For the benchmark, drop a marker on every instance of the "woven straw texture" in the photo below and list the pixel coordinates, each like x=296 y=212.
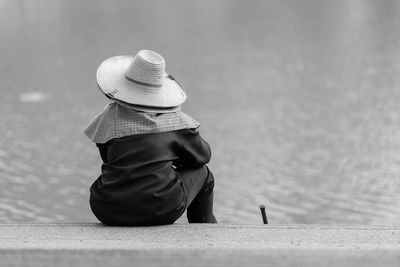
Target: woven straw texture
x=117 y=121
x=116 y=78
x=147 y=67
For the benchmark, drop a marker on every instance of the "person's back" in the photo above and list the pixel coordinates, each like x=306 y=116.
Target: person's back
x=153 y=157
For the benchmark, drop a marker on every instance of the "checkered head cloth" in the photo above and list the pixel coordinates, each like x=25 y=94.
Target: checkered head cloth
x=117 y=121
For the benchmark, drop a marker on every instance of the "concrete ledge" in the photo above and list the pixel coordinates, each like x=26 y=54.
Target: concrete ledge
x=198 y=245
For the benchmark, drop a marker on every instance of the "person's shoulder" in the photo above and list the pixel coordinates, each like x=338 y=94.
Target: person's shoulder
x=188 y=132
x=188 y=121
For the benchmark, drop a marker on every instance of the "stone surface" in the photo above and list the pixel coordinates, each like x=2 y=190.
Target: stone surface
x=198 y=245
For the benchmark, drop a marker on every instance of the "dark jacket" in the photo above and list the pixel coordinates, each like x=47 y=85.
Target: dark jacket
x=140 y=181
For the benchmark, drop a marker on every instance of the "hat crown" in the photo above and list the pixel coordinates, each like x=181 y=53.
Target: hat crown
x=147 y=68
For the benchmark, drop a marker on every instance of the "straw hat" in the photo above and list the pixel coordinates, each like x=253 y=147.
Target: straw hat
x=140 y=82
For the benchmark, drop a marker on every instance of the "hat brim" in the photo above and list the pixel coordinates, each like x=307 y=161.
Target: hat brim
x=112 y=82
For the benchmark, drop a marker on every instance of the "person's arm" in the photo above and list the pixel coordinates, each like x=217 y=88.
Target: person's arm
x=103 y=151
x=194 y=150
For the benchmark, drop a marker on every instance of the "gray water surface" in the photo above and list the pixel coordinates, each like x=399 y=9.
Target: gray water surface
x=299 y=101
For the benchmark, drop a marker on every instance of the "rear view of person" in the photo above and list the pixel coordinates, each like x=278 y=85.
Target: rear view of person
x=154 y=159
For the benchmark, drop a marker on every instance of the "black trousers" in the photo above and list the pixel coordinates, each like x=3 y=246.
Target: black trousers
x=198 y=186
x=194 y=193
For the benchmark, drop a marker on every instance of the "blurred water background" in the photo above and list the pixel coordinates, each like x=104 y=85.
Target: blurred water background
x=299 y=101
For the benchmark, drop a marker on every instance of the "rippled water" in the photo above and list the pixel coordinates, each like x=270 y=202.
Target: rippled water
x=298 y=99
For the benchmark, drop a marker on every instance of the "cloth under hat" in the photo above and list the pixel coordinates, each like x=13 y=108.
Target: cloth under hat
x=117 y=121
